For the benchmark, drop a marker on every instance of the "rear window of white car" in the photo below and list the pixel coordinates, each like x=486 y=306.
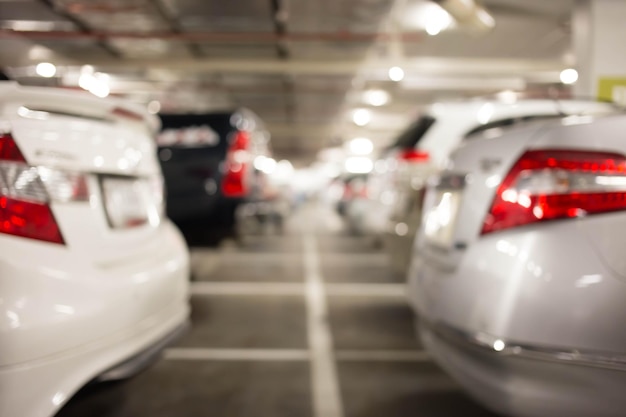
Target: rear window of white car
x=496 y=125
x=411 y=136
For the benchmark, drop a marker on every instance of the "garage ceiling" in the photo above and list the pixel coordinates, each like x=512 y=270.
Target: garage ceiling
x=303 y=66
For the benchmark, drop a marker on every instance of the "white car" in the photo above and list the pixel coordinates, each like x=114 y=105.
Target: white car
x=424 y=147
x=519 y=273
x=93 y=277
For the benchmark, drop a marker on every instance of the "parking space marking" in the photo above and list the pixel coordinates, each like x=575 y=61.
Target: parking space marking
x=210 y=354
x=203 y=354
x=324 y=380
x=290 y=288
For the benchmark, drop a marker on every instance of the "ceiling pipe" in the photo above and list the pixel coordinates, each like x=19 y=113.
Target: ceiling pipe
x=469 y=14
x=80 y=24
x=214 y=37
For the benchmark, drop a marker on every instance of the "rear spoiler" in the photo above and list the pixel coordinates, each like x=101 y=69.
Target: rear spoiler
x=74 y=103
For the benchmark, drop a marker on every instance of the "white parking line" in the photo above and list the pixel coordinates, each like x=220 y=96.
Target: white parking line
x=208 y=354
x=294 y=288
x=202 y=354
x=324 y=381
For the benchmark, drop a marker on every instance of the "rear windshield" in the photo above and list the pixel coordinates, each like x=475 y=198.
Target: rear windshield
x=411 y=136
x=503 y=123
x=194 y=130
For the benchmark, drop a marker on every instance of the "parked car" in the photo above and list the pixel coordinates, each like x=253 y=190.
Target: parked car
x=208 y=163
x=93 y=277
x=350 y=205
x=423 y=149
x=519 y=275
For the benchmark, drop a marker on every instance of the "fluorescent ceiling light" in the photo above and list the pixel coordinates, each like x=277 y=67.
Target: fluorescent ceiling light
x=359 y=165
x=360 y=146
x=376 y=97
x=361 y=117
x=569 y=76
x=46 y=70
x=469 y=14
x=428 y=16
x=438 y=20
x=396 y=74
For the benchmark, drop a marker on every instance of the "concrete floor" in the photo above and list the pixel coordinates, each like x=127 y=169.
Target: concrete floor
x=309 y=323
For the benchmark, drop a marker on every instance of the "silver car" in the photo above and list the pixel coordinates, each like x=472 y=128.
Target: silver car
x=425 y=146
x=519 y=270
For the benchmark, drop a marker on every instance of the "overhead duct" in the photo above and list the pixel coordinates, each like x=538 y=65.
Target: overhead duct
x=469 y=14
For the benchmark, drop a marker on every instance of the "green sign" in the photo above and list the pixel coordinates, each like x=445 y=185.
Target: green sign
x=612 y=89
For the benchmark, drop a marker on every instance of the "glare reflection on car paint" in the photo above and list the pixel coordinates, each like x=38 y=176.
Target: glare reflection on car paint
x=54 y=273
x=498 y=345
x=14 y=319
x=440 y=216
x=58 y=398
x=64 y=309
x=588 y=280
x=508 y=248
x=98 y=161
x=140 y=278
x=122 y=163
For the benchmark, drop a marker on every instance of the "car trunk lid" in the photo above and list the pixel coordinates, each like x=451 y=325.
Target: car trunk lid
x=108 y=145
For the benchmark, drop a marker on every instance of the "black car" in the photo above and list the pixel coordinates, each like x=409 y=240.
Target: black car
x=208 y=163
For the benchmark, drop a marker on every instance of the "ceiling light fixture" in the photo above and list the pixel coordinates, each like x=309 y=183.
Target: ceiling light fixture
x=469 y=14
x=359 y=165
x=569 y=76
x=376 y=97
x=360 y=146
x=437 y=21
x=46 y=70
x=396 y=74
x=361 y=117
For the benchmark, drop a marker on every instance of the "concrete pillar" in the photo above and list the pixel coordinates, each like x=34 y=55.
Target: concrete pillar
x=599 y=40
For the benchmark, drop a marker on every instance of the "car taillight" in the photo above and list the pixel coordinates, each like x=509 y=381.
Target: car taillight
x=556 y=184
x=234 y=180
x=413 y=155
x=26 y=192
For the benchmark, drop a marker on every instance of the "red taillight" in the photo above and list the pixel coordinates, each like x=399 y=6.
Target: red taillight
x=234 y=180
x=413 y=155
x=9 y=150
x=555 y=184
x=28 y=219
x=24 y=209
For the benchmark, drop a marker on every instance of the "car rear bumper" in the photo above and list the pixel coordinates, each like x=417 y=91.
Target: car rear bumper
x=39 y=388
x=143 y=359
x=523 y=381
x=65 y=320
